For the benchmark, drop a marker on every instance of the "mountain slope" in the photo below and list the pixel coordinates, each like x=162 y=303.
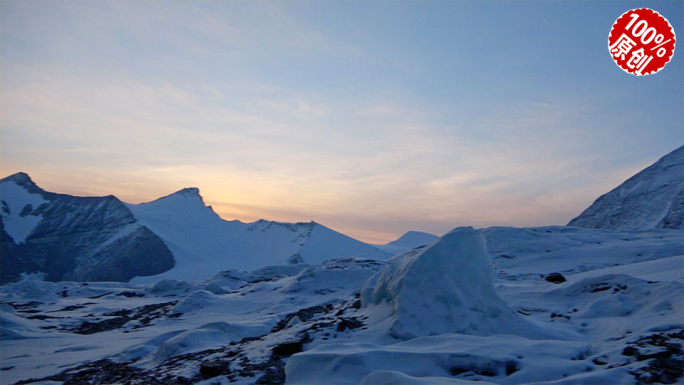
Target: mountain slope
x=73 y=238
x=652 y=198
x=204 y=243
x=408 y=241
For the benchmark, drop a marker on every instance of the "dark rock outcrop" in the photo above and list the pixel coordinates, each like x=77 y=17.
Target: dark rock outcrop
x=75 y=238
x=555 y=278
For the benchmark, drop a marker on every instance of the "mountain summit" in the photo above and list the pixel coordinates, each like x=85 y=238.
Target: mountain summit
x=652 y=198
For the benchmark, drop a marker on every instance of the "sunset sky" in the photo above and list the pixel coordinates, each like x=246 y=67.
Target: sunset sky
x=372 y=118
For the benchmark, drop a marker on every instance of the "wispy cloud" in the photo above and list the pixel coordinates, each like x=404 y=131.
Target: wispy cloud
x=289 y=161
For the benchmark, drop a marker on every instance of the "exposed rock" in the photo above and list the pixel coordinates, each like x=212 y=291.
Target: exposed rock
x=665 y=366
x=214 y=368
x=555 y=278
x=288 y=348
x=349 y=323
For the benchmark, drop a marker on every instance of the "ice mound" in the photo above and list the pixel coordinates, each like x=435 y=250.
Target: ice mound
x=172 y=286
x=14 y=327
x=335 y=275
x=241 y=330
x=446 y=287
x=30 y=287
x=199 y=299
x=216 y=289
x=388 y=377
x=441 y=359
x=639 y=305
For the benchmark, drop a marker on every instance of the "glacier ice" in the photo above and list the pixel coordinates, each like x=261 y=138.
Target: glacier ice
x=446 y=287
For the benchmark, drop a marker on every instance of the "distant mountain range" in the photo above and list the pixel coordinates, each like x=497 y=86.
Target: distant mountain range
x=177 y=236
x=652 y=198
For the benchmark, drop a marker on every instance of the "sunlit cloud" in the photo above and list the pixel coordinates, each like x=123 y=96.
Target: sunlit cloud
x=278 y=164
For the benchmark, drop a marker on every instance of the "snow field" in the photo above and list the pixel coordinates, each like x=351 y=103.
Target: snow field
x=556 y=333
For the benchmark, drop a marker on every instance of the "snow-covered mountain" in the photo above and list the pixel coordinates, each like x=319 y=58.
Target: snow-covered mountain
x=174 y=237
x=653 y=198
x=73 y=238
x=408 y=241
x=203 y=243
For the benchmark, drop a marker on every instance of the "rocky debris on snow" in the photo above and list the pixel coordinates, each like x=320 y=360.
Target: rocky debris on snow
x=234 y=361
x=102 y=372
x=144 y=315
x=303 y=315
x=288 y=348
x=349 y=323
x=214 y=368
x=665 y=363
x=489 y=369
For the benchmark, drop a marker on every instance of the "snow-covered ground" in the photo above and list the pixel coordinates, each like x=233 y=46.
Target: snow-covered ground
x=471 y=307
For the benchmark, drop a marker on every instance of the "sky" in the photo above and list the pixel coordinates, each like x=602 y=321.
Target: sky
x=373 y=118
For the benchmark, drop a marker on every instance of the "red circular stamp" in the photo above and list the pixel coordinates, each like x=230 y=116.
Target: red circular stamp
x=641 y=41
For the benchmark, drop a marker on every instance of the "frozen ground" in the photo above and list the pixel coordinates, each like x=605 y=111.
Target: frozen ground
x=446 y=313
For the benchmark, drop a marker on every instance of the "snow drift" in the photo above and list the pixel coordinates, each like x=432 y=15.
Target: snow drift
x=508 y=359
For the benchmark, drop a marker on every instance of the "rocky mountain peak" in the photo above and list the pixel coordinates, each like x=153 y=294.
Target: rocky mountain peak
x=24 y=180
